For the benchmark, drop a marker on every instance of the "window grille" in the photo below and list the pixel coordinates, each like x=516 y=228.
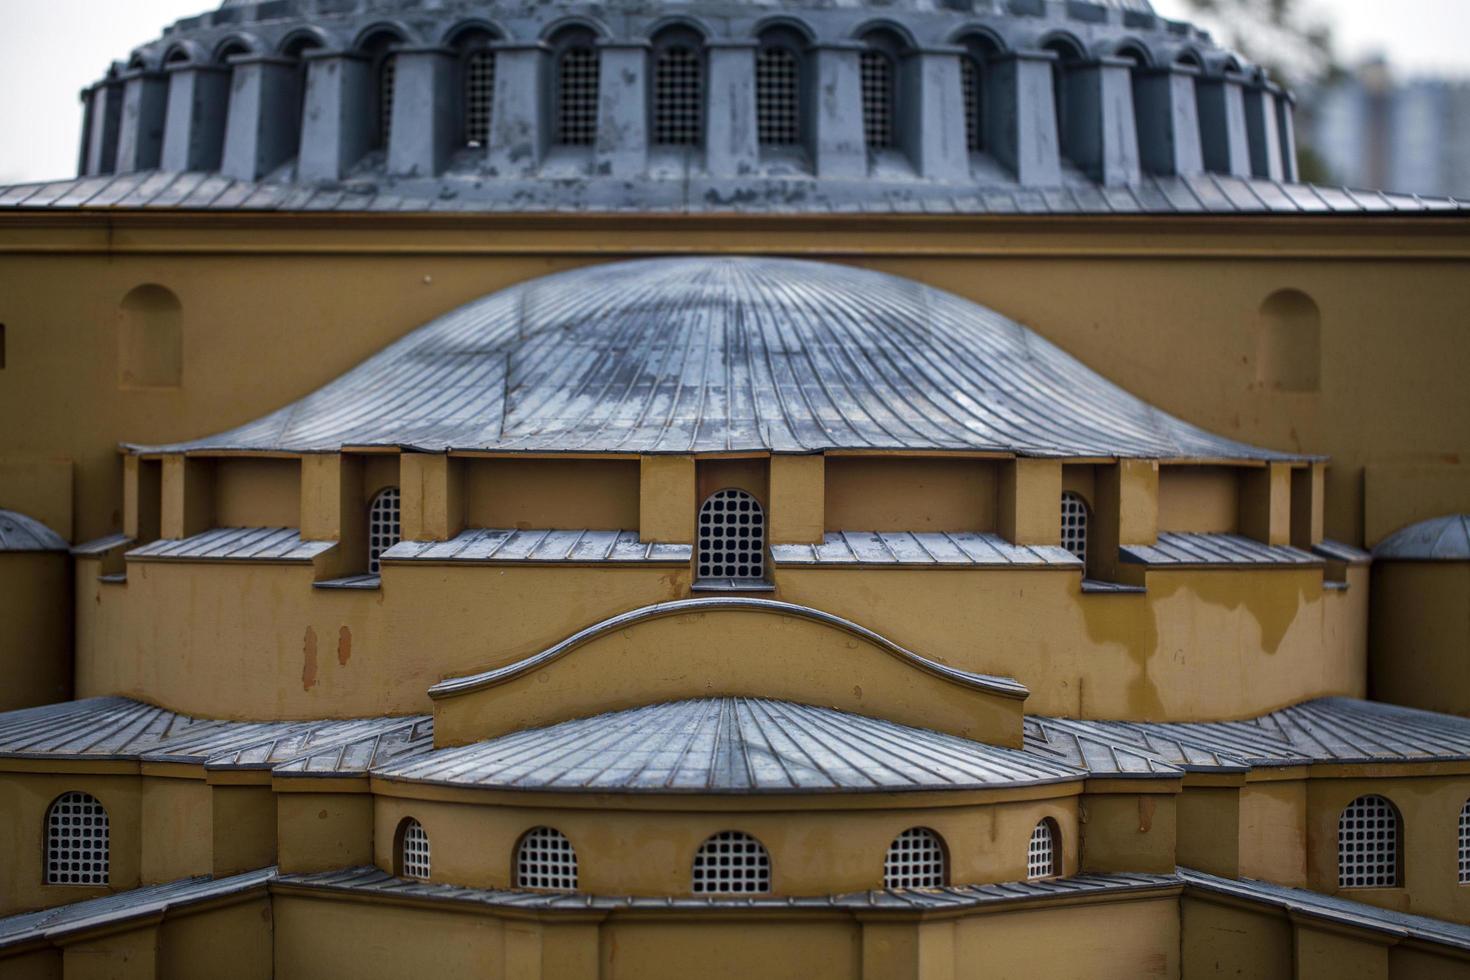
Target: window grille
x=877 y=72
x=384 y=528
x=479 y=96
x=413 y=851
x=1465 y=843
x=732 y=536
x=732 y=863
x=76 y=841
x=576 y=118
x=777 y=103
x=970 y=86
x=386 y=71
x=546 y=859
x=916 y=860
x=678 y=97
x=1368 y=844
x=1074 y=525
x=1041 y=855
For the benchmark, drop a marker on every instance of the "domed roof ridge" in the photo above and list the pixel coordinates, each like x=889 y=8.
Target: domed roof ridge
x=1445 y=538
x=21 y=533
x=721 y=354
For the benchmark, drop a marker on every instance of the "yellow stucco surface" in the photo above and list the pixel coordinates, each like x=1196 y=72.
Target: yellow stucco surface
x=1420 y=626
x=35 y=642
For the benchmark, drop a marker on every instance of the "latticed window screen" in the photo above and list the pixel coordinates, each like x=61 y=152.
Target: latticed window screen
x=970 y=88
x=576 y=99
x=384 y=528
x=732 y=536
x=413 y=856
x=76 y=841
x=1368 y=844
x=915 y=860
x=1074 y=525
x=546 y=859
x=386 y=72
x=777 y=100
x=678 y=97
x=732 y=863
x=479 y=96
x=1465 y=843
x=877 y=71
x=1041 y=855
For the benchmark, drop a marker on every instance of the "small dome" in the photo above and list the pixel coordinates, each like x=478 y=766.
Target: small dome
x=21 y=533
x=1437 y=539
x=692 y=355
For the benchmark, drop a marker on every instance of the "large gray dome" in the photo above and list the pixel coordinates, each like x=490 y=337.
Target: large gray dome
x=726 y=354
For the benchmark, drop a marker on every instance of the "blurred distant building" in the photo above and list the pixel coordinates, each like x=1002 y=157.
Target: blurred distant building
x=1372 y=130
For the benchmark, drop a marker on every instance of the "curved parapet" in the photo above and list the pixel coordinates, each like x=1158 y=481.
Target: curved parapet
x=758 y=648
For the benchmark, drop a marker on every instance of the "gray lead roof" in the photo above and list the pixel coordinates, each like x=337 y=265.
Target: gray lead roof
x=1437 y=539
x=1185 y=550
x=688 y=355
x=21 y=533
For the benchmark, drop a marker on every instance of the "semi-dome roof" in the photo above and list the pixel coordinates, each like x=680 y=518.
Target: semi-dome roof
x=1437 y=539
x=21 y=533
x=682 y=355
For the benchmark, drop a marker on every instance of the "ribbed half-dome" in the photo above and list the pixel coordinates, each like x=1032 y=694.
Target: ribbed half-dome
x=726 y=354
x=21 y=533
x=1437 y=539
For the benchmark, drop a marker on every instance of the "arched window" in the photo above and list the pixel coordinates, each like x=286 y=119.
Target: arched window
x=732 y=536
x=1465 y=843
x=479 y=95
x=413 y=850
x=880 y=93
x=980 y=49
x=916 y=859
x=1289 y=345
x=1043 y=855
x=384 y=528
x=678 y=89
x=732 y=863
x=778 y=89
x=377 y=46
x=546 y=859
x=578 y=78
x=1074 y=524
x=150 y=339
x=1068 y=57
x=76 y=841
x=387 y=70
x=1368 y=834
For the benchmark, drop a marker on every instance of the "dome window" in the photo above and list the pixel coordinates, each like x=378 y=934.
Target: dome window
x=578 y=76
x=1064 y=99
x=732 y=536
x=479 y=96
x=980 y=51
x=916 y=859
x=77 y=841
x=413 y=850
x=1465 y=843
x=778 y=96
x=878 y=99
x=1368 y=834
x=1042 y=858
x=387 y=70
x=384 y=527
x=732 y=863
x=678 y=91
x=1074 y=525
x=545 y=859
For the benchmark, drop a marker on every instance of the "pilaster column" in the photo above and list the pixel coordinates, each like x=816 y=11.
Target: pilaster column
x=336 y=131
x=731 y=137
x=264 y=127
x=1265 y=503
x=798 y=488
x=621 y=149
x=106 y=121
x=517 y=120
x=187 y=495
x=1222 y=125
x=1030 y=497
x=667 y=499
x=1263 y=131
x=426 y=125
x=1285 y=118
x=1021 y=119
x=194 y=127
x=1168 y=120
x=938 y=148
x=145 y=103
x=86 y=141
x=840 y=149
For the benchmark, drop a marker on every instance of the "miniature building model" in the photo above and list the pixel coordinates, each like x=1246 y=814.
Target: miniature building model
x=853 y=491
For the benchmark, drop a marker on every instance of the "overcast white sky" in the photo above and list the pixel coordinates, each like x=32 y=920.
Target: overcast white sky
x=50 y=49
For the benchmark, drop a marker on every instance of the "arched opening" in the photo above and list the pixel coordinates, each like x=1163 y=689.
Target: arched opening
x=412 y=850
x=295 y=49
x=732 y=537
x=882 y=89
x=1139 y=57
x=731 y=863
x=1044 y=852
x=384 y=527
x=77 y=841
x=980 y=52
x=1369 y=844
x=1064 y=99
x=1464 y=841
x=1075 y=515
x=475 y=66
x=546 y=860
x=678 y=88
x=150 y=339
x=378 y=48
x=780 y=89
x=578 y=80
x=1289 y=345
x=917 y=858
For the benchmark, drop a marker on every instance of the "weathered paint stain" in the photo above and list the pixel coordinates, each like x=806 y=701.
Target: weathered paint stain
x=1146 y=807
x=308 y=660
x=344 y=646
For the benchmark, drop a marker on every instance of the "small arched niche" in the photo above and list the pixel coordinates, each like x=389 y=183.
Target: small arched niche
x=150 y=339
x=1289 y=342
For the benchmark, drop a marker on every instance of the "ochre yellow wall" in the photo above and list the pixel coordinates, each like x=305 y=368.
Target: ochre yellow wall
x=323 y=831
x=1129 y=940
x=1223 y=939
x=1129 y=832
x=257 y=492
x=178 y=839
x=1273 y=831
x=551 y=493
x=229 y=942
x=632 y=849
x=36 y=636
x=867 y=493
x=129 y=954
x=1199 y=498
x=1420 y=625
